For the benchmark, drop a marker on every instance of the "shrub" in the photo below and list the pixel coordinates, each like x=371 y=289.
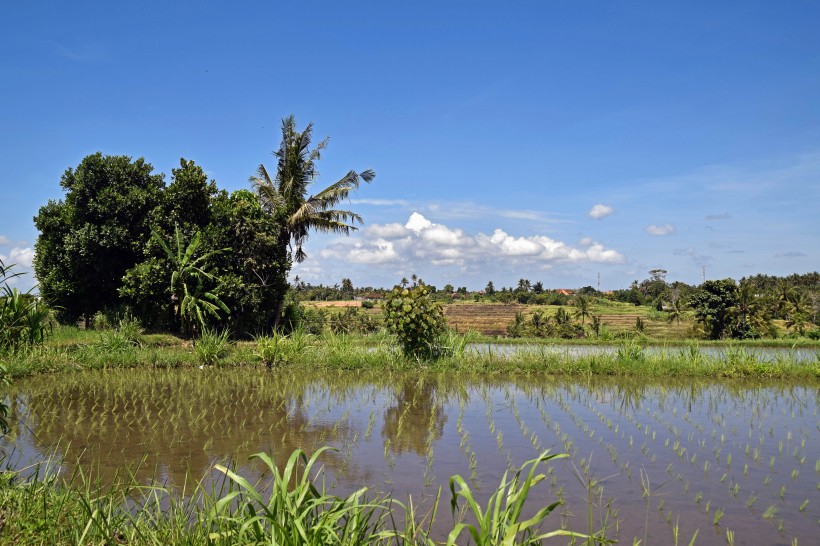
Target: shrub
x=270 y=350
x=100 y=321
x=351 y=321
x=25 y=320
x=299 y=317
x=127 y=335
x=415 y=319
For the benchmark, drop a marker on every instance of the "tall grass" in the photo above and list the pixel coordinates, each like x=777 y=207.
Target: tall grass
x=500 y=521
x=211 y=346
x=293 y=508
x=76 y=349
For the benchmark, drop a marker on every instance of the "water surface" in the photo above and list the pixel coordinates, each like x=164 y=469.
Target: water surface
x=749 y=449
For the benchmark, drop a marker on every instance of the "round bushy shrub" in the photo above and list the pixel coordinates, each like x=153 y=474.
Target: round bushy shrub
x=415 y=319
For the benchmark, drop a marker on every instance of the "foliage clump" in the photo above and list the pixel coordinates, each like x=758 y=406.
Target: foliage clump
x=24 y=321
x=539 y=324
x=415 y=319
x=211 y=346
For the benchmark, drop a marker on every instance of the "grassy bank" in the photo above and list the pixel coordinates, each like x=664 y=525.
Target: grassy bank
x=76 y=350
x=292 y=508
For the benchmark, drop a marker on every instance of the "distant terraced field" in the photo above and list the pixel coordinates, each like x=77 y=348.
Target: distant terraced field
x=492 y=319
x=487 y=318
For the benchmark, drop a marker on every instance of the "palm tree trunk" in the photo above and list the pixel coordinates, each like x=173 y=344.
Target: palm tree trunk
x=280 y=286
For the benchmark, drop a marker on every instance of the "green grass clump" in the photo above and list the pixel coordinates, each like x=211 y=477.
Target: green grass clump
x=211 y=346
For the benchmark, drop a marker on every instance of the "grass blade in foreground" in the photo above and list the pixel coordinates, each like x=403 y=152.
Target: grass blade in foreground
x=499 y=522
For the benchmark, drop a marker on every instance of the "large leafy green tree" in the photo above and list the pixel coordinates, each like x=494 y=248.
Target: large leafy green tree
x=186 y=202
x=714 y=305
x=91 y=238
x=749 y=316
x=254 y=270
x=285 y=195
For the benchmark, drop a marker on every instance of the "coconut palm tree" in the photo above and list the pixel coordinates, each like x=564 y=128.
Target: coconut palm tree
x=582 y=308
x=783 y=296
x=748 y=311
x=675 y=311
x=797 y=314
x=285 y=195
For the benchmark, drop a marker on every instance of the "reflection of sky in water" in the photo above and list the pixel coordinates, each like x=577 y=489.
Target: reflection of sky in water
x=407 y=433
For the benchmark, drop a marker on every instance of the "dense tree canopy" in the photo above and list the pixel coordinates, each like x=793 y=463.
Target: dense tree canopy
x=713 y=303
x=96 y=252
x=91 y=238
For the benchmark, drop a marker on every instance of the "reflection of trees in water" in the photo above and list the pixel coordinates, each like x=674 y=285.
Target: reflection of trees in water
x=417 y=419
x=180 y=423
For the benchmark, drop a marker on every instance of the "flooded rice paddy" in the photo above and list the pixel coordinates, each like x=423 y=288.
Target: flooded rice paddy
x=763 y=354
x=647 y=460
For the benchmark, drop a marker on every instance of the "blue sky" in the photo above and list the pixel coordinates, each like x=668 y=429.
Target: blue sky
x=546 y=140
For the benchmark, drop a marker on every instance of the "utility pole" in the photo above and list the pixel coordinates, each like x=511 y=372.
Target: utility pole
x=703 y=275
x=599 y=282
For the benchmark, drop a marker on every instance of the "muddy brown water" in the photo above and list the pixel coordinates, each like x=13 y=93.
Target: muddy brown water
x=748 y=449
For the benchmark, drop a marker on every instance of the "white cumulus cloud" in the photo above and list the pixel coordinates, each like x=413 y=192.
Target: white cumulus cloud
x=420 y=240
x=600 y=211
x=23 y=257
x=665 y=229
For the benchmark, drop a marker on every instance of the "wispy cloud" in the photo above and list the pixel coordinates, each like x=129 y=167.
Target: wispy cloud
x=721 y=216
x=85 y=52
x=600 y=211
x=790 y=254
x=4 y=241
x=381 y=202
x=471 y=211
x=739 y=181
x=451 y=210
x=660 y=231
x=694 y=256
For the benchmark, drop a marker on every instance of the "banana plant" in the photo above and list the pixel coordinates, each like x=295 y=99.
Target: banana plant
x=191 y=299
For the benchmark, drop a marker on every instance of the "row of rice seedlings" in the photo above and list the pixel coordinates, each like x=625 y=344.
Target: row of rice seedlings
x=752 y=498
x=678 y=449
